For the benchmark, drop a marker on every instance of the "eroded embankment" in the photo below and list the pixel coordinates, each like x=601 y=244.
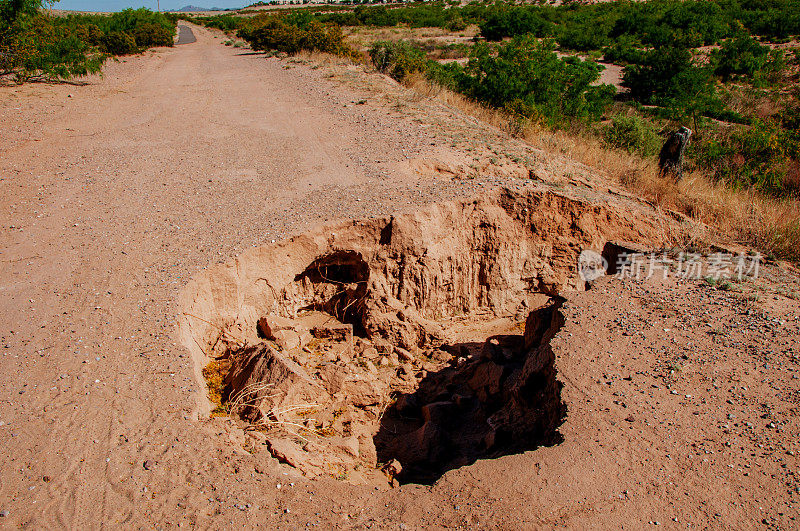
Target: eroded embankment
x=402 y=347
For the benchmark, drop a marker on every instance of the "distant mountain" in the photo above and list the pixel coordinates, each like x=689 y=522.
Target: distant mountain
x=195 y=9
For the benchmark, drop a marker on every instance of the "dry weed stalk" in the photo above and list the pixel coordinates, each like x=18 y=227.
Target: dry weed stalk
x=251 y=396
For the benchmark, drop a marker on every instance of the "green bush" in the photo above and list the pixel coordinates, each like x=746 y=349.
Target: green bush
x=511 y=22
x=397 y=59
x=225 y=23
x=118 y=43
x=624 y=50
x=36 y=46
x=741 y=55
x=668 y=78
x=525 y=76
x=273 y=33
x=759 y=157
x=150 y=34
x=584 y=33
x=449 y=75
x=633 y=134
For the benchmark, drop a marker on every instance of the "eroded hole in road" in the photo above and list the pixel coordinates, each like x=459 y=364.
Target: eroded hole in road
x=496 y=397
x=393 y=350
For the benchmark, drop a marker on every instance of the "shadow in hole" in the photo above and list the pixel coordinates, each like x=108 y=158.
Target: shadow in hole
x=340 y=284
x=504 y=399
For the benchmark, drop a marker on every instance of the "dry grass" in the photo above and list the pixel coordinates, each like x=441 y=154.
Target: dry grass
x=253 y=395
x=771 y=226
x=215 y=373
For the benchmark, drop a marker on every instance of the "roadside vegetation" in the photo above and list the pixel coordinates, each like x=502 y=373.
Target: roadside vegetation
x=37 y=46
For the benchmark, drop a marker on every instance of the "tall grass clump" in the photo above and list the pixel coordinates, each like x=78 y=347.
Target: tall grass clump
x=633 y=134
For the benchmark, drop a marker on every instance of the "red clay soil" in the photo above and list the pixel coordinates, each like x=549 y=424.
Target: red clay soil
x=681 y=398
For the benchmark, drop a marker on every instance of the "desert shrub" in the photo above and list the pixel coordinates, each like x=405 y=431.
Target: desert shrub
x=510 y=22
x=146 y=27
x=455 y=22
x=225 y=23
x=449 y=75
x=150 y=34
x=624 y=50
x=397 y=59
x=118 y=43
x=377 y=16
x=429 y=14
x=668 y=77
x=633 y=134
x=743 y=56
x=525 y=76
x=775 y=19
x=36 y=46
x=584 y=32
x=582 y=26
x=273 y=33
x=760 y=157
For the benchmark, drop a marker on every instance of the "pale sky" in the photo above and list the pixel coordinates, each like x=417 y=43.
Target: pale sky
x=119 y=5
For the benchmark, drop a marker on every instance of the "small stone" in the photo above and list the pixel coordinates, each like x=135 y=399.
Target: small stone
x=148 y=464
x=392 y=468
x=3 y=513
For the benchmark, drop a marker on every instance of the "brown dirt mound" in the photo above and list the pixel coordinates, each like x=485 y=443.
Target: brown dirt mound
x=398 y=348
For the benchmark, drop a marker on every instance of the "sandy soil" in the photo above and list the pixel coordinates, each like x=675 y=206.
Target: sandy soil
x=682 y=399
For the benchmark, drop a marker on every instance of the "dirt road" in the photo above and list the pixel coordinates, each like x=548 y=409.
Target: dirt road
x=185 y=35
x=115 y=193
